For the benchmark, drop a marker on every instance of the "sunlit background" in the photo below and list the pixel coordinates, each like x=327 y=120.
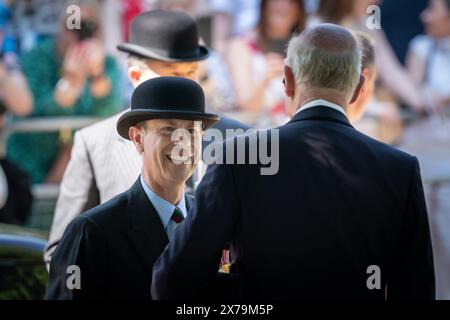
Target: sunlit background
x=409 y=109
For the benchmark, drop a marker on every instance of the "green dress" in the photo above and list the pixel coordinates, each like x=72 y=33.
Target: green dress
x=36 y=152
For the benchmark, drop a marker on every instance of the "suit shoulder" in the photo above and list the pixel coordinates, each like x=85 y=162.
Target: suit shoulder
x=388 y=149
x=109 y=213
x=354 y=141
x=228 y=123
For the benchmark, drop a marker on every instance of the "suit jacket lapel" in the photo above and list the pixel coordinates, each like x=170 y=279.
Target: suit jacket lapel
x=189 y=202
x=146 y=231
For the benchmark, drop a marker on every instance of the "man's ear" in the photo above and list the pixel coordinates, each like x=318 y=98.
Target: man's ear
x=365 y=73
x=135 y=134
x=134 y=74
x=358 y=89
x=289 y=82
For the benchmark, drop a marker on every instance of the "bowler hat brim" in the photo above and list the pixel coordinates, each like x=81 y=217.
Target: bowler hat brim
x=146 y=52
x=133 y=117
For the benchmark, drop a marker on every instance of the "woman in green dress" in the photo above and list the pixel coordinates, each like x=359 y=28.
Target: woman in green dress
x=68 y=76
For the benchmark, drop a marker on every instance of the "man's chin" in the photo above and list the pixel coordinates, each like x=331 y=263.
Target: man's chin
x=179 y=173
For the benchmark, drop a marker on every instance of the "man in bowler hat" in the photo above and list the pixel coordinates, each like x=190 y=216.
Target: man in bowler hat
x=114 y=246
x=103 y=164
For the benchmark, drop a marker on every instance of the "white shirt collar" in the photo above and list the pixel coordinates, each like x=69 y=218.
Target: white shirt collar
x=321 y=102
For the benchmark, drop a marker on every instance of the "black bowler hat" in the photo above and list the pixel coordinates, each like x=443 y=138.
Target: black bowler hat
x=165 y=35
x=166 y=98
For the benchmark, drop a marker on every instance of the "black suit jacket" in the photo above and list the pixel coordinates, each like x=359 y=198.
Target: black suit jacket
x=340 y=203
x=115 y=246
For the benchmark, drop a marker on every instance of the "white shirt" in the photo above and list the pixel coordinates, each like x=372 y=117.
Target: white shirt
x=321 y=103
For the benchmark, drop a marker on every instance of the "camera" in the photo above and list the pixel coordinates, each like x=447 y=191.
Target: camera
x=87 y=29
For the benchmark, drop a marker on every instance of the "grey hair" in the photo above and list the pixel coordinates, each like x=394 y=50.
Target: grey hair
x=316 y=67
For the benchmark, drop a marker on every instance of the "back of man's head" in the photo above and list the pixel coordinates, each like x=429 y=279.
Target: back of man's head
x=326 y=57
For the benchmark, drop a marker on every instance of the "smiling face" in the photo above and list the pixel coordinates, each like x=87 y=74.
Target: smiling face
x=170 y=149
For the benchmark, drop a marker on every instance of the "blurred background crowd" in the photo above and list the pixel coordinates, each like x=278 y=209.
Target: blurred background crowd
x=54 y=81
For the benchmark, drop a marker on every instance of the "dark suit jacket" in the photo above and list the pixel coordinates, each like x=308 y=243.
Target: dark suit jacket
x=115 y=246
x=340 y=202
x=102 y=165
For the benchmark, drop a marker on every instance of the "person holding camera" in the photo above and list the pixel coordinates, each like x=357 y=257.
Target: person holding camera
x=70 y=75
